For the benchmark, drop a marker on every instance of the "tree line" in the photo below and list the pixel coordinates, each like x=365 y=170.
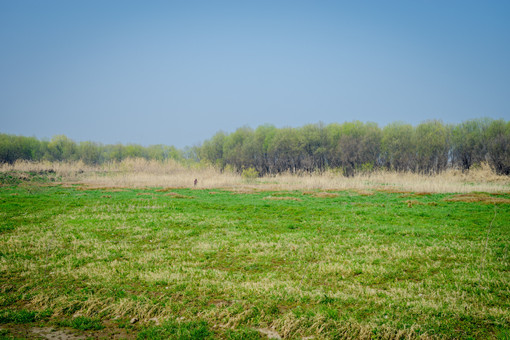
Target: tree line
x=431 y=147
x=61 y=148
x=350 y=147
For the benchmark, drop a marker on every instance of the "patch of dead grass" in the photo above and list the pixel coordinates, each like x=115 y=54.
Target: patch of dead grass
x=325 y=194
x=477 y=198
x=140 y=173
x=364 y=192
x=165 y=189
x=410 y=203
x=415 y=194
x=177 y=195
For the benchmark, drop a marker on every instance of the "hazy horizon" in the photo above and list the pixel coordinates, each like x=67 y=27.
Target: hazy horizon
x=175 y=73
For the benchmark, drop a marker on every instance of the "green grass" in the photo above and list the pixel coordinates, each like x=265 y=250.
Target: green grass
x=178 y=330
x=82 y=323
x=226 y=265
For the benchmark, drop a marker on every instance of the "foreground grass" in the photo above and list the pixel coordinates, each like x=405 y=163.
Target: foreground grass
x=219 y=264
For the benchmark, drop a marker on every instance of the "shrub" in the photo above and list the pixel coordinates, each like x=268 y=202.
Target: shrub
x=250 y=174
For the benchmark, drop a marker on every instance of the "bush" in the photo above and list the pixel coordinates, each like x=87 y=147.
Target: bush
x=250 y=174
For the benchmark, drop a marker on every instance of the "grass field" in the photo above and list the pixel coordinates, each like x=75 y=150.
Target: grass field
x=161 y=263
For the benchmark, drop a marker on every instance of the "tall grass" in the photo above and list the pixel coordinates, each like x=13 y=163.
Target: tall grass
x=140 y=173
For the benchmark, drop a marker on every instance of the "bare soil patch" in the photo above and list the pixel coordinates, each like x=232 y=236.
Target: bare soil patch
x=57 y=333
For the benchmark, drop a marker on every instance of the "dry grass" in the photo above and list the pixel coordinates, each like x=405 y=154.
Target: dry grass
x=325 y=194
x=176 y=195
x=139 y=173
x=478 y=197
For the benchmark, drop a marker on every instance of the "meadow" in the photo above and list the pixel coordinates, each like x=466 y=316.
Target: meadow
x=117 y=254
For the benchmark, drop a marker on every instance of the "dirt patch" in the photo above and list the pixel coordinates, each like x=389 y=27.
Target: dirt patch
x=477 y=198
x=54 y=334
x=271 y=334
x=111 y=331
x=220 y=303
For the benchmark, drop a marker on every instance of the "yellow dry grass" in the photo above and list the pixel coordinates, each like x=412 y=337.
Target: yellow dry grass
x=140 y=173
x=323 y=194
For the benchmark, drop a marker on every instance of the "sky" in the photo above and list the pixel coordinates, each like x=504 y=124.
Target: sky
x=176 y=72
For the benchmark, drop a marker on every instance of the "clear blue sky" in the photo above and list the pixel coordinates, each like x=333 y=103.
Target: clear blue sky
x=176 y=72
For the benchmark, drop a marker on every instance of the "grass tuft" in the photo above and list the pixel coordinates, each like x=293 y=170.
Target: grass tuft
x=192 y=330
x=22 y=316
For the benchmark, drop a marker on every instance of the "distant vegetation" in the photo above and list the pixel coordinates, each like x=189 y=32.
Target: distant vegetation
x=61 y=148
x=430 y=147
x=351 y=147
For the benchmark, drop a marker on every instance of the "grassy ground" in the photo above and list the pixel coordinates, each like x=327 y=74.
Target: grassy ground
x=247 y=264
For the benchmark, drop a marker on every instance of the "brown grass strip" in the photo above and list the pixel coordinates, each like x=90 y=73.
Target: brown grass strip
x=477 y=198
x=364 y=192
x=165 y=189
x=325 y=195
x=415 y=194
x=176 y=195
